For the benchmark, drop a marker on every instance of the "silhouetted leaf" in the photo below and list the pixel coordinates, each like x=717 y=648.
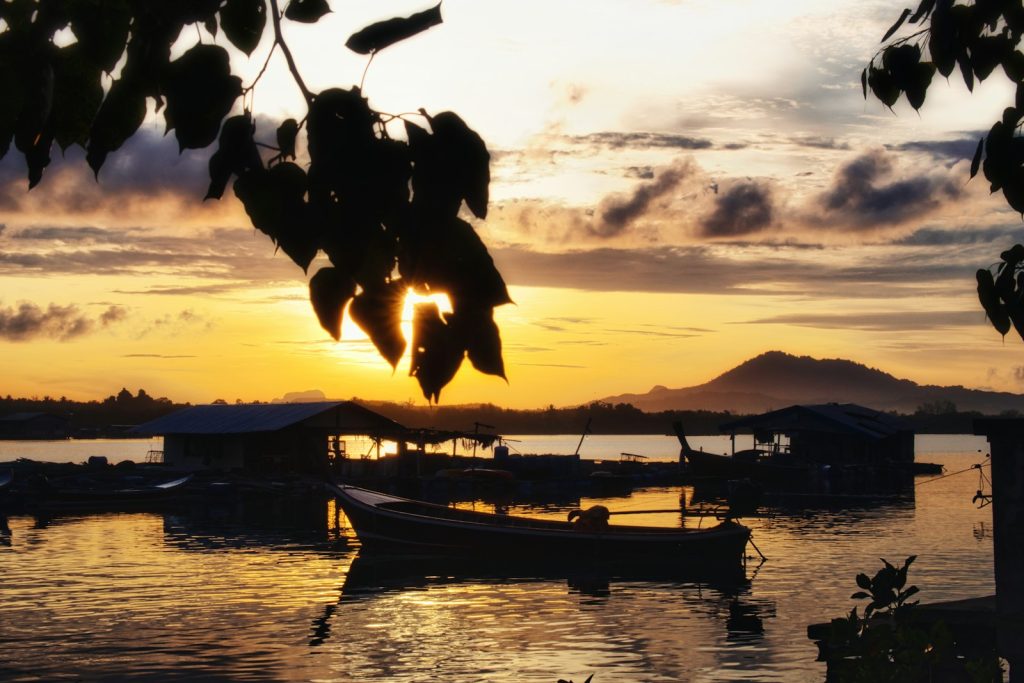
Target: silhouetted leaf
x=468 y=160
x=1013 y=66
x=883 y=86
x=479 y=334
x=864 y=82
x=451 y=258
x=37 y=87
x=895 y=27
x=436 y=351
x=380 y=35
x=200 y=92
x=306 y=11
x=243 y=22
x=923 y=10
x=78 y=93
x=378 y=312
x=10 y=86
x=286 y=134
x=37 y=157
x=118 y=118
x=329 y=291
x=976 y=161
x=1013 y=255
x=989 y=299
x=864 y=581
x=102 y=31
x=211 y=26
x=966 y=71
x=860 y=595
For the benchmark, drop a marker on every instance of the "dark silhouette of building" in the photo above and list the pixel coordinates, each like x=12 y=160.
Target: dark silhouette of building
x=34 y=426
x=299 y=437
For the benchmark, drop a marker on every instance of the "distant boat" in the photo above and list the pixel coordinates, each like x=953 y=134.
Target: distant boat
x=104 y=496
x=383 y=521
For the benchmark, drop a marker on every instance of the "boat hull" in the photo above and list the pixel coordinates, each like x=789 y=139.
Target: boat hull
x=413 y=527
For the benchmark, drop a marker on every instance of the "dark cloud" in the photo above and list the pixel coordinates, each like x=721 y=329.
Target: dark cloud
x=818 y=142
x=865 y=195
x=618 y=140
x=884 y=321
x=29 y=321
x=641 y=172
x=75 y=234
x=949 y=150
x=149 y=164
x=176 y=324
x=742 y=209
x=726 y=269
x=113 y=314
x=942 y=237
x=616 y=213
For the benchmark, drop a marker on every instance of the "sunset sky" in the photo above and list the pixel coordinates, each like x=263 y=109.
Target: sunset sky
x=678 y=185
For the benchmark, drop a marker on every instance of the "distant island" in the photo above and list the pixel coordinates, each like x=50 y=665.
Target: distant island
x=767 y=382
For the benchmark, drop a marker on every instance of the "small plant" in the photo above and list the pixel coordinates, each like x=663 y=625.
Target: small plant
x=888 y=643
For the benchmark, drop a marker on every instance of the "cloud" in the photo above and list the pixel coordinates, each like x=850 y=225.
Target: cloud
x=617 y=213
x=617 y=140
x=866 y=194
x=944 y=237
x=904 y=321
x=949 y=150
x=743 y=208
x=154 y=355
x=173 y=325
x=29 y=321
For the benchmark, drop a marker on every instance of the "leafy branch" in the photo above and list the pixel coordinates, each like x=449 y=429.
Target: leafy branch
x=384 y=211
x=976 y=37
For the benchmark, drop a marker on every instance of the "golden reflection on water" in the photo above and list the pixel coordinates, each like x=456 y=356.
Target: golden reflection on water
x=275 y=591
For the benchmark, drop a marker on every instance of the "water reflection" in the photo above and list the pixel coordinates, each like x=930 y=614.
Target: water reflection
x=275 y=590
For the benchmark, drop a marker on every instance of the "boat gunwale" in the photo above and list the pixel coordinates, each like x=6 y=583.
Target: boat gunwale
x=531 y=526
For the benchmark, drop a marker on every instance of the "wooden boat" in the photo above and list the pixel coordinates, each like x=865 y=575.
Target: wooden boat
x=99 y=496
x=383 y=521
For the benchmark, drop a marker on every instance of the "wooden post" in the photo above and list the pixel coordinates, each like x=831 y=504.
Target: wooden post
x=1006 y=441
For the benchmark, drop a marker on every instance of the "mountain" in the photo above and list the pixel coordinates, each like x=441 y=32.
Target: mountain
x=776 y=380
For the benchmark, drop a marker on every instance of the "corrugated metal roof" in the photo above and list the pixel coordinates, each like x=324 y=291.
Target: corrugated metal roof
x=264 y=417
x=829 y=417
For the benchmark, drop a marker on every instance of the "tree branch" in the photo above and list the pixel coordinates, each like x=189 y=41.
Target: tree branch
x=275 y=14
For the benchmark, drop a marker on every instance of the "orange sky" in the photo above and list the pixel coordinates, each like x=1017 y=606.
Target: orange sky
x=677 y=186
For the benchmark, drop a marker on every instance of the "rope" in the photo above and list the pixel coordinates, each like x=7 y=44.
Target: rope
x=951 y=474
x=750 y=540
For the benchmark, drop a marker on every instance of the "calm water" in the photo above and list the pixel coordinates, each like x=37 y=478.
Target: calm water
x=273 y=591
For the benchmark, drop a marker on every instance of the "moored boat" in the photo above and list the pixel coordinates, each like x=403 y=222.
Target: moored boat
x=103 y=496
x=383 y=521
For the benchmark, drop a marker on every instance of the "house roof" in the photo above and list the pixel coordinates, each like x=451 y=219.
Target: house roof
x=831 y=418
x=267 y=417
x=25 y=417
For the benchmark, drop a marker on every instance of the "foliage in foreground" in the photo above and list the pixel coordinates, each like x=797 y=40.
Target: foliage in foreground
x=976 y=37
x=384 y=210
x=886 y=643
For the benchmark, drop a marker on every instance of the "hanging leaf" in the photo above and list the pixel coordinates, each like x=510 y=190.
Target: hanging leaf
x=895 y=27
x=883 y=86
x=923 y=10
x=468 y=161
x=236 y=153
x=306 y=11
x=243 y=22
x=200 y=92
x=10 y=86
x=101 y=31
x=436 y=351
x=78 y=94
x=378 y=312
x=380 y=35
x=211 y=26
x=479 y=334
x=329 y=291
x=864 y=82
x=976 y=161
x=120 y=115
x=286 y=134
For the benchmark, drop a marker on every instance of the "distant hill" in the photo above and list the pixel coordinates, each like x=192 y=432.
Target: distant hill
x=776 y=380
